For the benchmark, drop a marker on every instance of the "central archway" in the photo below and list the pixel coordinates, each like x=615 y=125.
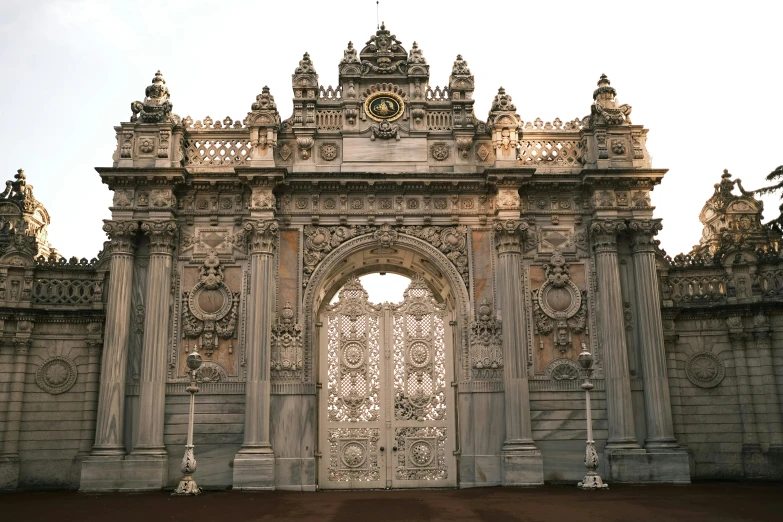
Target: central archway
x=438 y=299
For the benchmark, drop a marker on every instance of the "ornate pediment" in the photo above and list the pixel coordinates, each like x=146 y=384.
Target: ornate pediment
x=384 y=54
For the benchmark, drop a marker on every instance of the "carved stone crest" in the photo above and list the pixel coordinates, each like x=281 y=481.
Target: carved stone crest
x=486 y=344
x=286 y=346
x=209 y=310
x=559 y=304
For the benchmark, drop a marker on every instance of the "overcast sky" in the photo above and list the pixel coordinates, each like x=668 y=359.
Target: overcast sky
x=704 y=77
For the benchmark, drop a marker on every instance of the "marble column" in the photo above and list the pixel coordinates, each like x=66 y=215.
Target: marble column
x=109 y=433
x=155 y=349
x=612 y=335
x=657 y=403
x=103 y=469
x=522 y=461
x=254 y=463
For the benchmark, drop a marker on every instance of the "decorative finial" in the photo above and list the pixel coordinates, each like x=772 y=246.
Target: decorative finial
x=156 y=107
x=726 y=174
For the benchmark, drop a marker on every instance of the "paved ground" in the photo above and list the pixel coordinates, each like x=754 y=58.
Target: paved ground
x=714 y=502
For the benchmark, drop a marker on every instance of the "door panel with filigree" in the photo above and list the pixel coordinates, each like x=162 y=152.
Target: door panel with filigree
x=386 y=407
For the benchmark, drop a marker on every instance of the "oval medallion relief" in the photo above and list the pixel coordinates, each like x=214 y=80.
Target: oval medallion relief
x=384 y=106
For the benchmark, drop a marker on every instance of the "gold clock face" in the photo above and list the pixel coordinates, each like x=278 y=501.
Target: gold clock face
x=384 y=106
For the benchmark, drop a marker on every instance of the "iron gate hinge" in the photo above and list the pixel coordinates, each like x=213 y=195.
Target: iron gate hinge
x=317 y=454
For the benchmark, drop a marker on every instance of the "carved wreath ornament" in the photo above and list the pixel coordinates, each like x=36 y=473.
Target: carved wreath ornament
x=210 y=308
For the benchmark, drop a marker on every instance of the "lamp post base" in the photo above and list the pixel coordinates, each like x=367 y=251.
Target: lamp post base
x=592 y=481
x=187 y=486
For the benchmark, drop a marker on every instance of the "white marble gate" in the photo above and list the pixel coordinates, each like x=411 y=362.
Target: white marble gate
x=386 y=406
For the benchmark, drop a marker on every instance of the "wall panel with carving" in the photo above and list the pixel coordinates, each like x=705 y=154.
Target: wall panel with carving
x=559 y=310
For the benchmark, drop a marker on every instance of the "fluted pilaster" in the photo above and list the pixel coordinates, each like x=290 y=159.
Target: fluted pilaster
x=657 y=402
x=90 y=394
x=152 y=389
x=612 y=334
x=260 y=310
x=109 y=436
x=765 y=385
x=13 y=419
x=509 y=236
x=737 y=338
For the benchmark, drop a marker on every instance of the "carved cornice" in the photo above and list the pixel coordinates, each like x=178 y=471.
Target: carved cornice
x=604 y=233
x=162 y=234
x=643 y=232
x=122 y=235
x=509 y=235
x=262 y=236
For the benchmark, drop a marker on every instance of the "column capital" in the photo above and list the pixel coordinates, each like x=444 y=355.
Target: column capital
x=510 y=234
x=643 y=232
x=262 y=236
x=122 y=235
x=22 y=345
x=94 y=346
x=162 y=235
x=604 y=233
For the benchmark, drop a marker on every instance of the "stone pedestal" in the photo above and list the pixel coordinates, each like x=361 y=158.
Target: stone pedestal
x=522 y=468
x=254 y=471
x=9 y=472
x=626 y=465
x=134 y=473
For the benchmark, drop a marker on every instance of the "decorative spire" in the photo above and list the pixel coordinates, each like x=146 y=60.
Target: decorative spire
x=416 y=56
x=605 y=109
x=460 y=67
x=502 y=102
x=305 y=65
x=264 y=101
x=156 y=107
x=604 y=90
x=349 y=55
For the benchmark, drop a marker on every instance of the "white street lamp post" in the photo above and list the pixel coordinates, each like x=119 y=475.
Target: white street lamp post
x=187 y=486
x=592 y=479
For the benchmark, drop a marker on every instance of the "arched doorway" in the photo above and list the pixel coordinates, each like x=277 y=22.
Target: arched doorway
x=387 y=412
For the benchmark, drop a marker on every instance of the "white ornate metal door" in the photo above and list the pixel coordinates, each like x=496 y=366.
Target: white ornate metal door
x=386 y=414
x=422 y=421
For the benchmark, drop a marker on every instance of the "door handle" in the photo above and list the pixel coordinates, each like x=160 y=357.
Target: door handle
x=394 y=448
x=382 y=448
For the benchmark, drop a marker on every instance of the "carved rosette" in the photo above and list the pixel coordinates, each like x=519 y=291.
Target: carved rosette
x=604 y=233
x=509 y=236
x=286 y=347
x=643 y=234
x=162 y=236
x=122 y=235
x=262 y=199
x=262 y=236
x=56 y=375
x=559 y=304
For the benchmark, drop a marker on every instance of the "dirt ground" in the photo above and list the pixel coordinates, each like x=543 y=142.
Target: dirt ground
x=714 y=502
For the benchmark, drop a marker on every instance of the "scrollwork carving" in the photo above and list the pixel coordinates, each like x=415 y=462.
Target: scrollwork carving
x=286 y=347
x=319 y=241
x=122 y=235
x=452 y=241
x=486 y=343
